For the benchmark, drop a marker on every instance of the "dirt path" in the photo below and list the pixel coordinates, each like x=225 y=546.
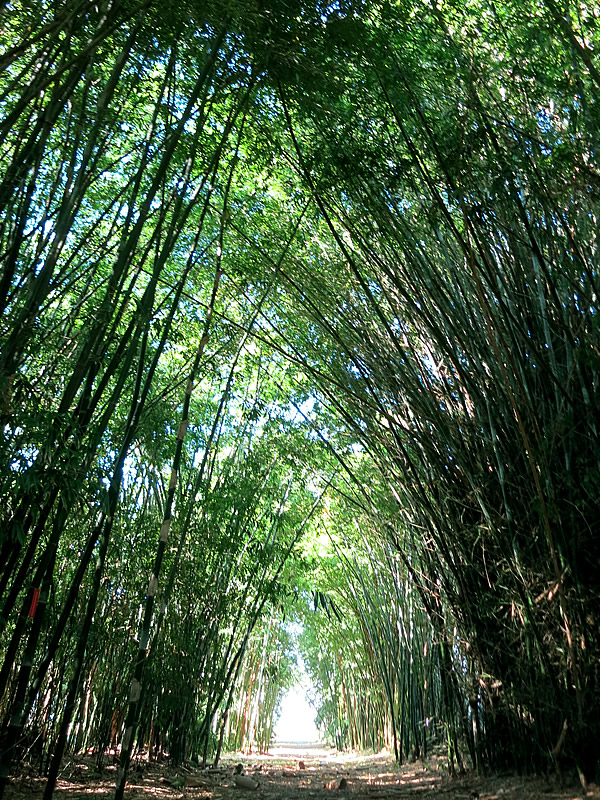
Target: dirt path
x=294 y=772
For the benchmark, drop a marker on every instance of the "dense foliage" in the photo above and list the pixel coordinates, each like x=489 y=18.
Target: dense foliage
x=299 y=301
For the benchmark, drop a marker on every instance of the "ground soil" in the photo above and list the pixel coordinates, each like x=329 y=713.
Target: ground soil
x=295 y=772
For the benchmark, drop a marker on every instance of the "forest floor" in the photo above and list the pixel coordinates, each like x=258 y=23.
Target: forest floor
x=294 y=772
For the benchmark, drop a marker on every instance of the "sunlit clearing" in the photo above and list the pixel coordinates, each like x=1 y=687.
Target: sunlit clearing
x=297 y=720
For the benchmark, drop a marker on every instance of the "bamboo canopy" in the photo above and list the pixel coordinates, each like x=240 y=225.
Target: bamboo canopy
x=299 y=353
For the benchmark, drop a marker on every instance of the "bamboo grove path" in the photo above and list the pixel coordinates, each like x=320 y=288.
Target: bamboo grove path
x=297 y=772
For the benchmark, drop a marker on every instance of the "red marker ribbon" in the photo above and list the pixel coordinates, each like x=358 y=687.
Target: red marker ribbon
x=34 y=602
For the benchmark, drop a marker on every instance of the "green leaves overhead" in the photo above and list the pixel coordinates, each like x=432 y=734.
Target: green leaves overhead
x=279 y=273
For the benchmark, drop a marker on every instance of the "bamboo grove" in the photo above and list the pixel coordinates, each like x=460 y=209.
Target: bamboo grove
x=299 y=322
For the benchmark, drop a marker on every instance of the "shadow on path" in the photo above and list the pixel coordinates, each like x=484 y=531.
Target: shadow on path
x=291 y=771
